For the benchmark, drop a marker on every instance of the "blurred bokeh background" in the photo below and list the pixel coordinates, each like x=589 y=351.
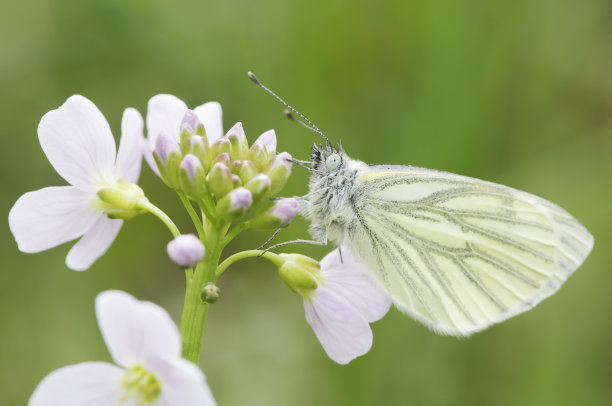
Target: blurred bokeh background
x=518 y=93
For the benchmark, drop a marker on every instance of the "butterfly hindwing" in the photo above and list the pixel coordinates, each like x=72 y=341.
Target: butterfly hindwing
x=458 y=253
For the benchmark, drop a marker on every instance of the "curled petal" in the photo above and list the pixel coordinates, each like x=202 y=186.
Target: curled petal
x=94 y=243
x=129 y=157
x=88 y=383
x=78 y=142
x=183 y=382
x=210 y=115
x=134 y=330
x=51 y=216
x=343 y=333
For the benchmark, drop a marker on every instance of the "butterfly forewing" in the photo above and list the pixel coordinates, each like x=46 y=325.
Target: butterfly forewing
x=458 y=253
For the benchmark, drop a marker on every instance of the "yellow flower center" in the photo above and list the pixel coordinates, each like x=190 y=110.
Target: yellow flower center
x=141 y=385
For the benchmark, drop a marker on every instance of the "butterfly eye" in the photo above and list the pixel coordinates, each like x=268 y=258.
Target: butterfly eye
x=332 y=162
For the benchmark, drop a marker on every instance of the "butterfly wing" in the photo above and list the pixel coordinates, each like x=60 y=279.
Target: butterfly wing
x=458 y=253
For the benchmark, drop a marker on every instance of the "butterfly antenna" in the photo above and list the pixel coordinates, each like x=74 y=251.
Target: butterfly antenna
x=306 y=122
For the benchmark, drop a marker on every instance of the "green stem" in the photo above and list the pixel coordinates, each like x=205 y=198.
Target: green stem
x=275 y=258
x=192 y=213
x=234 y=232
x=151 y=208
x=194 y=309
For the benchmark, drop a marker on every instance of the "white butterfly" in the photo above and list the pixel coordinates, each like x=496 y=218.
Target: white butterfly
x=456 y=253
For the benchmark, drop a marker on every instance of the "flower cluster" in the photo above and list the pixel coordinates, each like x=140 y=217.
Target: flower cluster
x=192 y=157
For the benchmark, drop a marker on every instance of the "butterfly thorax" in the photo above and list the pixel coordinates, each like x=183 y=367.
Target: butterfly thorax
x=329 y=206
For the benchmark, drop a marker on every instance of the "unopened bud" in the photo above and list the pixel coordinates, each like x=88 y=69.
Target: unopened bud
x=240 y=145
x=247 y=171
x=198 y=146
x=235 y=204
x=168 y=157
x=189 y=127
x=279 y=171
x=219 y=180
x=220 y=146
x=300 y=273
x=122 y=200
x=258 y=155
x=210 y=293
x=223 y=158
x=192 y=177
x=186 y=250
x=259 y=186
x=279 y=214
x=235 y=167
x=268 y=140
x=236 y=181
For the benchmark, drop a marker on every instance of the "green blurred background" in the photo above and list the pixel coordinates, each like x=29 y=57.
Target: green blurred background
x=518 y=93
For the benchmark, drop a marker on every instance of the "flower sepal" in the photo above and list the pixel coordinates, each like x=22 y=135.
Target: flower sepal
x=300 y=273
x=122 y=200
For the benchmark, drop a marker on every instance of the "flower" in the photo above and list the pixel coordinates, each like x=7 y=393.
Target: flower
x=166 y=113
x=186 y=250
x=343 y=304
x=78 y=142
x=146 y=344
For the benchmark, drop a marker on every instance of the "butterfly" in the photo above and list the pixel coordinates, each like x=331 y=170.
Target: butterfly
x=456 y=253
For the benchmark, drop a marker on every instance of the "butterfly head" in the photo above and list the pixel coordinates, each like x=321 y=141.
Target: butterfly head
x=326 y=158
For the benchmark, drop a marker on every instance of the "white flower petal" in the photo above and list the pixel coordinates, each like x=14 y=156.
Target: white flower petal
x=95 y=242
x=182 y=382
x=129 y=157
x=135 y=330
x=51 y=216
x=352 y=280
x=211 y=116
x=78 y=142
x=343 y=333
x=164 y=114
x=88 y=383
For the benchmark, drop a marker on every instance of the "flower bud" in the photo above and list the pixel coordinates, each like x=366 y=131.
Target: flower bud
x=210 y=293
x=235 y=167
x=168 y=157
x=219 y=180
x=192 y=177
x=279 y=170
x=259 y=187
x=122 y=200
x=240 y=145
x=186 y=250
x=198 y=146
x=279 y=214
x=220 y=146
x=300 y=273
x=189 y=127
x=223 y=158
x=236 y=181
x=235 y=204
x=247 y=171
x=258 y=155
x=268 y=139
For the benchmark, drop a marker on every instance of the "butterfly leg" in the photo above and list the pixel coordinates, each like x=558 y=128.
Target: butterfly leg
x=340 y=252
x=311 y=242
x=269 y=239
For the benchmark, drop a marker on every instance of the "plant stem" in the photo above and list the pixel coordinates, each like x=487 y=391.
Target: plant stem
x=248 y=254
x=192 y=213
x=194 y=309
x=151 y=208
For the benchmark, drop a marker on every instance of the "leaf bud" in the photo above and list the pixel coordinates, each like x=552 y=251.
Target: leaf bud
x=186 y=250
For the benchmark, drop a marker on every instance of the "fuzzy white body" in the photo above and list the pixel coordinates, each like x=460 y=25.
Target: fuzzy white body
x=456 y=253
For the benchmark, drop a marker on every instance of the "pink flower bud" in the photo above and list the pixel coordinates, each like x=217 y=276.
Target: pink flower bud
x=285 y=210
x=190 y=122
x=240 y=199
x=186 y=250
x=190 y=164
x=165 y=145
x=268 y=139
